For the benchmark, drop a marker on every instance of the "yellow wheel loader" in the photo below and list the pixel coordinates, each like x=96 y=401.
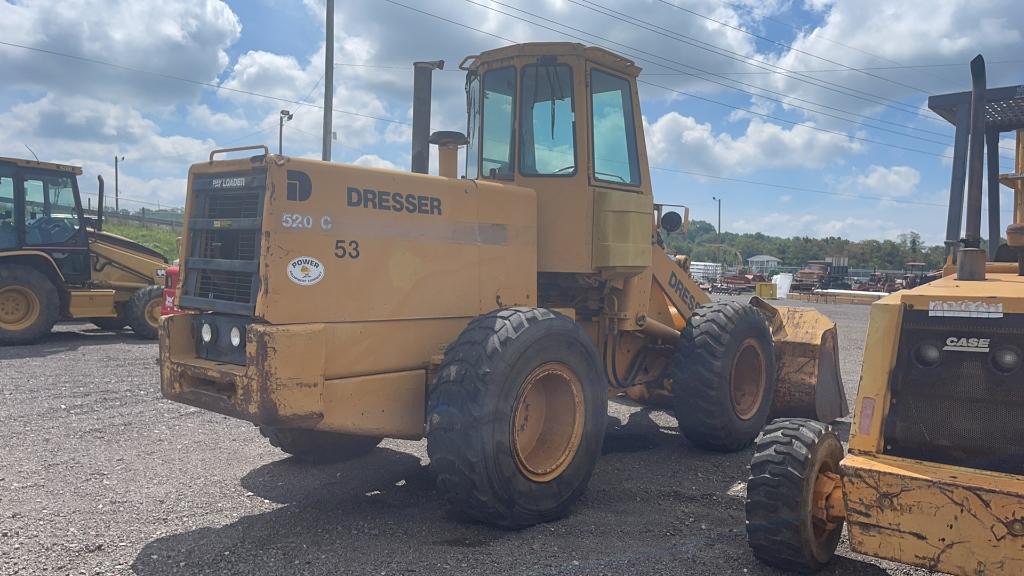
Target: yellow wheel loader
x=934 y=476
x=57 y=264
x=493 y=314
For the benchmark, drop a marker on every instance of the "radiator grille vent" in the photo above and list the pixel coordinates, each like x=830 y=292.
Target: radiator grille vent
x=963 y=411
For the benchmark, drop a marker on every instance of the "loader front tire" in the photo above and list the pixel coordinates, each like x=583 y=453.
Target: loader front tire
x=29 y=305
x=317 y=446
x=723 y=376
x=115 y=323
x=787 y=528
x=143 y=311
x=516 y=417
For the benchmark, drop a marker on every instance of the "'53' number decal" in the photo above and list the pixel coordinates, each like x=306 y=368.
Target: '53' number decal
x=346 y=249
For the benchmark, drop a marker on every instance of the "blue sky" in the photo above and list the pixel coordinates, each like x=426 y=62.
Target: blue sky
x=825 y=95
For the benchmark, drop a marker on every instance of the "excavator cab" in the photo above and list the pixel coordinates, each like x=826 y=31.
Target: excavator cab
x=40 y=209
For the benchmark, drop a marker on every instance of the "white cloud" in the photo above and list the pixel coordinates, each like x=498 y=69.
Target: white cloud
x=682 y=141
x=888 y=182
x=374 y=161
x=89 y=133
x=202 y=117
x=883 y=33
x=182 y=38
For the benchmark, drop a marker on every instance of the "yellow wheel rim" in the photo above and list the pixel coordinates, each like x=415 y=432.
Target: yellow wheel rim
x=19 y=308
x=748 y=379
x=153 y=309
x=547 y=425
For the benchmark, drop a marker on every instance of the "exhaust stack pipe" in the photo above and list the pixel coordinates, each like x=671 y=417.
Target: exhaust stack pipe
x=971 y=264
x=99 y=203
x=421 y=93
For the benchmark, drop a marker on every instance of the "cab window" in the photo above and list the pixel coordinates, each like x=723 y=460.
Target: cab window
x=8 y=229
x=547 y=122
x=51 y=214
x=614 y=131
x=498 y=133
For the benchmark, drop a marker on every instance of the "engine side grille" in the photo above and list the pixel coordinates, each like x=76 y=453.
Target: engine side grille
x=963 y=411
x=226 y=286
x=222 y=264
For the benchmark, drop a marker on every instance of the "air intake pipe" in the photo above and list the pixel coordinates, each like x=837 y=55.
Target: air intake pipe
x=421 y=93
x=971 y=262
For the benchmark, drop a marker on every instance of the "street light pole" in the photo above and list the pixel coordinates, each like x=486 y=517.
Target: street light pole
x=285 y=116
x=116 y=195
x=325 y=153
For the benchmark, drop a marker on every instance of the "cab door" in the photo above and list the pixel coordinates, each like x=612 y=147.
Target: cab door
x=9 y=239
x=49 y=214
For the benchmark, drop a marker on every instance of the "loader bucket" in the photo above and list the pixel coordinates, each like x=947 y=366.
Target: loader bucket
x=809 y=384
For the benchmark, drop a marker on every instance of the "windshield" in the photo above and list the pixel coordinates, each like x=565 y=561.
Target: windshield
x=548 y=141
x=51 y=216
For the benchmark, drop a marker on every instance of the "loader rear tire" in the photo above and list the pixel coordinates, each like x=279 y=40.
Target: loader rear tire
x=782 y=529
x=516 y=417
x=317 y=446
x=29 y=305
x=143 y=311
x=723 y=376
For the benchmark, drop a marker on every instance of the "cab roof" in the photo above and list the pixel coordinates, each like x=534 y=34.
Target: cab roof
x=76 y=170
x=600 y=56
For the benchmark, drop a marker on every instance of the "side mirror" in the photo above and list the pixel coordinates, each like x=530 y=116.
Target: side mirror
x=671 y=221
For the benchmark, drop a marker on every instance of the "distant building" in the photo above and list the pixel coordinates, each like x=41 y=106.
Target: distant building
x=705 y=271
x=763 y=264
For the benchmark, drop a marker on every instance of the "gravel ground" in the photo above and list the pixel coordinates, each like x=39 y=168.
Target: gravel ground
x=100 y=475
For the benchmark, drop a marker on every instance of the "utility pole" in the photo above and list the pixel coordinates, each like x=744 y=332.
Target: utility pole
x=117 y=207
x=719 y=230
x=285 y=116
x=325 y=154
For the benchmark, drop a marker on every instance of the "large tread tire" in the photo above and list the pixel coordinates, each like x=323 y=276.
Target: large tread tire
x=471 y=410
x=139 y=311
x=702 y=373
x=317 y=446
x=787 y=458
x=118 y=322
x=25 y=279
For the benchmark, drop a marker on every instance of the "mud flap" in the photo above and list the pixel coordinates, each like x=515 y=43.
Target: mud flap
x=809 y=383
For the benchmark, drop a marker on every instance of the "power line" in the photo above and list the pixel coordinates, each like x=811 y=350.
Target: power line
x=789 y=46
x=847 y=46
x=760 y=63
x=713 y=101
x=783 y=102
x=795 y=123
x=901 y=67
x=802 y=189
x=195 y=82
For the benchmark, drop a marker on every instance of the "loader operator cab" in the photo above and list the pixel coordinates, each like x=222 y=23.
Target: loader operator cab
x=564 y=120
x=523 y=116
x=40 y=209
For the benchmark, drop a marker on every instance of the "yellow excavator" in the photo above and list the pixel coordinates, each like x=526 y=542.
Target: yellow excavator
x=493 y=314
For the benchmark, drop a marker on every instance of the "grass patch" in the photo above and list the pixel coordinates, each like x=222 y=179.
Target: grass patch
x=163 y=240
